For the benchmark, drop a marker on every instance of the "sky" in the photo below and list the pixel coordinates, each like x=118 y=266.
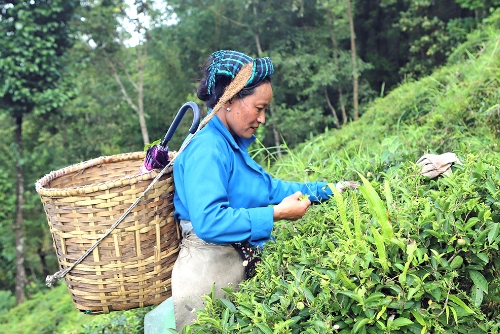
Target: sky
x=131 y=13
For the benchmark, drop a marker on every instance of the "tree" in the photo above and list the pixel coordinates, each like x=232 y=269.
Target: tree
x=35 y=36
x=104 y=28
x=433 y=29
x=355 y=74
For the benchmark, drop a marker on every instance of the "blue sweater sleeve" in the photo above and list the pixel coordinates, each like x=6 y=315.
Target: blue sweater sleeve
x=203 y=188
x=317 y=191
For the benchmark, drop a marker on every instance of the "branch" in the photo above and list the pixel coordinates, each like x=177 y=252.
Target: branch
x=332 y=108
x=227 y=18
x=119 y=81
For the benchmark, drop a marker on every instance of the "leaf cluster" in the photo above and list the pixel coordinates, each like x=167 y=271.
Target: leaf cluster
x=404 y=253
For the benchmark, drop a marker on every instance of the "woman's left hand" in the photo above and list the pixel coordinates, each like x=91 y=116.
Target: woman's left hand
x=292 y=207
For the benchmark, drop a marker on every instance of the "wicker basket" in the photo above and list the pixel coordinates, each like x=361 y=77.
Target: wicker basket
x=132 y=266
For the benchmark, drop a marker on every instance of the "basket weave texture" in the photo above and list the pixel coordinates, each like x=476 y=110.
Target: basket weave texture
x=132 y=266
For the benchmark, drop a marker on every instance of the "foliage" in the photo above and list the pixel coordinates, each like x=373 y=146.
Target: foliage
x=405 y=253
x=35 y=35
x=7 y=253
x=7 y=301
x=456 y=106
x=45 y=312
x=388 y=259
x=122 y=322
x=54 y=312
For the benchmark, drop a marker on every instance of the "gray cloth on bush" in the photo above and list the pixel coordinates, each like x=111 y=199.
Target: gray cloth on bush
x=434 y=165
x=198 y=267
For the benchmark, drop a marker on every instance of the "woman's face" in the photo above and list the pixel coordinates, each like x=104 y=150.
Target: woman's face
x=248 y=113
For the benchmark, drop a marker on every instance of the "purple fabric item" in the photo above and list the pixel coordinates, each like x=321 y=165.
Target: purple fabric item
x=156 y=158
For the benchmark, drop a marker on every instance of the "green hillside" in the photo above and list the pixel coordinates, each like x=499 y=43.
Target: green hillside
x=402 y=254
x=405 y=253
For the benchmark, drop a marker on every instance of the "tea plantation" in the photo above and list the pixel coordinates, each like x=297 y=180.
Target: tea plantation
x=402 y=254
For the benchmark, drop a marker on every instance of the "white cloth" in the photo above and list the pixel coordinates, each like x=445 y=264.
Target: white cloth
x=198 y=267
x=434 y=165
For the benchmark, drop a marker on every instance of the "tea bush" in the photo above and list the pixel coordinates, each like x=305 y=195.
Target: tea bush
x=45 y=312
x=403 y=254
x=7 y=301
x=55 y=312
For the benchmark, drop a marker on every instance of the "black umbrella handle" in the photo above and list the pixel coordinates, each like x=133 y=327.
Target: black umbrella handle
x=178 y=118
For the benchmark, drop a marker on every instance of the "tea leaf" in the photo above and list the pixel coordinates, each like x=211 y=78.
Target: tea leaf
x=342 y=210
x=265 y=328
x=388 y=194
x=477 y=295
x=401 y=322
x=360 y=324
x=410 y=250
x=353 y=295
x=492 y=235
x=377 y=207
x=347 y=282
x=379 y=243
x=456 y=262
x=228 y=304
x=418 y=317
x=357 y=220
x=303 y=197
x=479 y=280
x=460 y=303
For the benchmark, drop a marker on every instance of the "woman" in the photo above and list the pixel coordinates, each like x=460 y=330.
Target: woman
x=222 y=196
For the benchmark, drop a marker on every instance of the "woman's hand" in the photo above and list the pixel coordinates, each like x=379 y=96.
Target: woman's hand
x=292 y=207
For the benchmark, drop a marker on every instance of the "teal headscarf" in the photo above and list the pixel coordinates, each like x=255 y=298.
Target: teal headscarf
x=229 y=63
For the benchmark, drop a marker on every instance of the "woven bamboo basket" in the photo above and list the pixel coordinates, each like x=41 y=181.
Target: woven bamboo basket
x=132 y=266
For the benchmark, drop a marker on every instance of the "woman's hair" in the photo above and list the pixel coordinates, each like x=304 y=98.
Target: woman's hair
x=220 y=69
x=221 y=82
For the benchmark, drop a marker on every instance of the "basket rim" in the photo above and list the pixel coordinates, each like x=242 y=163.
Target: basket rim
x=102 y=186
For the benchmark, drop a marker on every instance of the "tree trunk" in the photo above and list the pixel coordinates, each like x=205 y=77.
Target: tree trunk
x=276 y=135
x=334 y=112
x=140 y=93
x=336 y=62
x=139 y=108
x=43 y=261
x=354 y=62
x=20 y=272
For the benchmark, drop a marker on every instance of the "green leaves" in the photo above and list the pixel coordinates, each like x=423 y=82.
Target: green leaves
x=479 y=280
x=377 y=207
x=31 y=68
x=341 y=205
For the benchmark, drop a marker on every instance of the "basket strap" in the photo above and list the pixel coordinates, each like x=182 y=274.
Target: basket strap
x=237 y=84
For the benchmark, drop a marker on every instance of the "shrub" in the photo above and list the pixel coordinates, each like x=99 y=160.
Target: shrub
x=7 y=301
x=404 y=254
x=45 y=312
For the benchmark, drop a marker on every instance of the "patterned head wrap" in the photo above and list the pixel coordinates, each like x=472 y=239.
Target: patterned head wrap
x=229 y=63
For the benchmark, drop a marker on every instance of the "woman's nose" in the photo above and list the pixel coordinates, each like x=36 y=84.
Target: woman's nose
x=261 y=118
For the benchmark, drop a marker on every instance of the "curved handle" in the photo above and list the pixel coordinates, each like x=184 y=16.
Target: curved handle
x=178 y=118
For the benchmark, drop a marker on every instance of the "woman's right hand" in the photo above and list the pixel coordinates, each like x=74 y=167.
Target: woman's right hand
x=292 y=207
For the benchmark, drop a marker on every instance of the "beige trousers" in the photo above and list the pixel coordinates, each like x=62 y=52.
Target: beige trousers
x=198 y=267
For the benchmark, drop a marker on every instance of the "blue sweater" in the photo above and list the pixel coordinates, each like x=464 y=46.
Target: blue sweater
x=225 y=193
